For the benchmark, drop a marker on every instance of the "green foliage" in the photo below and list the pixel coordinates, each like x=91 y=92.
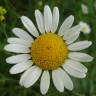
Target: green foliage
x=9 y=85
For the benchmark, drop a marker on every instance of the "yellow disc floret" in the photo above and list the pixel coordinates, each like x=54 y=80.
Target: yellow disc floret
x=49 y=51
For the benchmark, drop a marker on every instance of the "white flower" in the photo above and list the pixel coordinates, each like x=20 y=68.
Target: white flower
x=84 y=9
x=49 y=51
x=85 y=27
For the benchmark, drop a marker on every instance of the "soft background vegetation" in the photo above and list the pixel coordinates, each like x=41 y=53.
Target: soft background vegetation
x=15 y=8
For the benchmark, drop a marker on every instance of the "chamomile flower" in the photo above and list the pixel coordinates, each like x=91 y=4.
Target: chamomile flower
x=84 y=9
x=51 y=52
x=85 y=27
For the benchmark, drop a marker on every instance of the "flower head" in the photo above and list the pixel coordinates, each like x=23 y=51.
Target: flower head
x=85 y=27
x=51 y=52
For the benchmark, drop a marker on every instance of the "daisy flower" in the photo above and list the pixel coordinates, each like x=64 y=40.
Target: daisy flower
x=85 y=27
x=51 y=52
x=84 y=9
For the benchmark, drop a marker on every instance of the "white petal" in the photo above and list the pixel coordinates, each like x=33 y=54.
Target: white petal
x=22 y=34
x=55 y=19
x=13 y=40
x=66 y=25
x=45 y=82
x=58 y=80
x=67 y=80
x=72 y=34
x=82 y=57
x=30 y=76
x=18 y=58
x=47 y=18
x=29 y=26
x=16 y=48
x=75 y=69
x=76 y=65
x=40 y=21
x=20 y=67
x=79 y=45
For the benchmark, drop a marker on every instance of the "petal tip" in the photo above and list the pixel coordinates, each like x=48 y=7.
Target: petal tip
x=47 y=6
x=71 y=88
x=26 y=86
x=14 y=30
x=36 y=11
x=71 y=16
x=11 y=71
x=22 y=17
x=92 y=58
x=7 y=60
x=43 y=93
x=5 y=47
x=90 y=42
x=56 y=8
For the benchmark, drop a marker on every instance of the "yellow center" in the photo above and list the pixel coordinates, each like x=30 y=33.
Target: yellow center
x=49 y=51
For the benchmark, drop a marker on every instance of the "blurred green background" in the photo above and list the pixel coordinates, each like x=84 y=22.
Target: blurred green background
x=9 y=85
